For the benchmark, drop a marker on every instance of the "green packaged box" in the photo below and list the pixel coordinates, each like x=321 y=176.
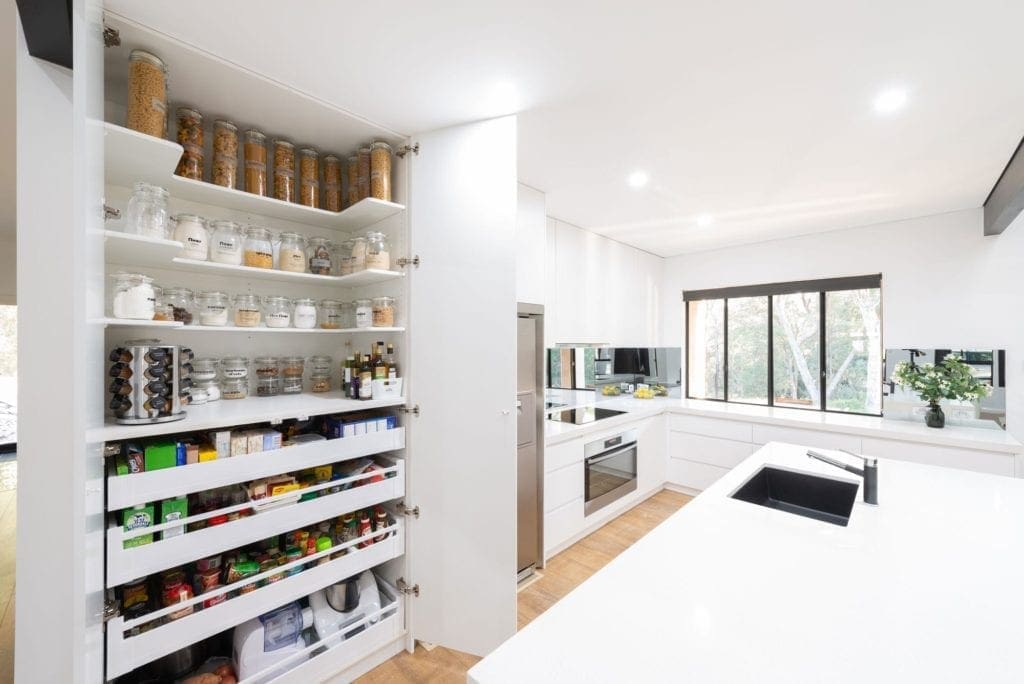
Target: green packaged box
x=161 y=455
x=136 y=518
x=171 y=510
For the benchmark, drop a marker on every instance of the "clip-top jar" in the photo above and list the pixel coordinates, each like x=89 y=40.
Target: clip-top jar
x=226 y=243
x=190 y=231
x=134 y=296
x=304 y=314
x=378 y=251
x=383 y=312
x=292 y=253
x=364 y=313
x=147 y=212
x=259 y=252
x=247 y=310
x=331 y=314
x=213 y=308
x=277 y=311
x=182 y=301
x=319 y=251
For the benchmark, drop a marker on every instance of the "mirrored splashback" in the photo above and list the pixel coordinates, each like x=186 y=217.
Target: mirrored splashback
x=592 y=367
x=988 y=366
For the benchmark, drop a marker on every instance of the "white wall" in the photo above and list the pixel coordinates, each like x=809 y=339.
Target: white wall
x=943 y=283
x=531 y=245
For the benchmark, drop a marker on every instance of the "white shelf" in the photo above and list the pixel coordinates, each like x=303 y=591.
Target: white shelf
x=370 y=276
x=124 y=491
x=212 y=267
x=263 y=329
x=231 y=412
x=138 y=251
x=132 y=323
x=130 y=156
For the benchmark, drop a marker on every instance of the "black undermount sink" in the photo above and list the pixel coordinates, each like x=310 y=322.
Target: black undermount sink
x=811 y=496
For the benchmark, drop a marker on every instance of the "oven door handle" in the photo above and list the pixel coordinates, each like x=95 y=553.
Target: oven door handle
x=610 y=454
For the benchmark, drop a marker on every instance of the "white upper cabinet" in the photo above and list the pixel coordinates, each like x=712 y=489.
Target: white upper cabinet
x=531 y=246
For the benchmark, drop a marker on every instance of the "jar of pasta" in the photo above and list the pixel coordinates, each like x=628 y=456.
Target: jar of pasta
x=319 y=252
x=380 y=171
x=352 y=178
x=378 y=251
x=255 y=153
x=147 y=94
x=284 y=171
x=225 y=154
x=363 y=179
x=383 y=312
x=247 y=311
x=259 y=253
x=309 y=177
x=332 y=183
x=190 y=137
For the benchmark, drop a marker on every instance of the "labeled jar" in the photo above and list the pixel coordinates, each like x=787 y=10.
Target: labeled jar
x=134 y=296
x=357 y=257
x=147 y=94
x=363 y=179
x=226 y=243
x=204 y=368
x=304 y=314
x=320 y=382
x=293 y=366
x=383 y=312
x=147 y=212
x=267 y=367
x=352 y=178
x=344 y=254
x=163 y=312
x=332 y=183
x=235 y=368
x=225 y=154
x=277 y=311
x=292 y=253
x=320 y=365
x=234 y=389
x=213 y=308
x=348 y=315
x=319 y=252
x=380 y=171
x=291 y=385
x=309 y=177
x=364 y=313
x=378 y=251
x=190 y=137
x=211 y=387
x=182 y=300
x=284 y=171
x=190 y=231
x=247 y=311
x=254 y=152
x=268 y=387
x=330 y=314
x=259 y=252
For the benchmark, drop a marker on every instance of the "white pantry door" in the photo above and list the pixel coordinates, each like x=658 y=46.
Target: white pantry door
x=462 y=450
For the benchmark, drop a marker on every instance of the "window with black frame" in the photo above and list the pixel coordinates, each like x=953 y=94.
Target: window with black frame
x=814 y=344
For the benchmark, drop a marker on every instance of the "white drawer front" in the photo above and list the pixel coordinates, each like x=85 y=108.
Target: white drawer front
x=562 y=523
x=992 y=462
x=560 y=455
x=562 y=486
x=711 y=427
x=723 y=453
x=814 y=438
x=697 y=476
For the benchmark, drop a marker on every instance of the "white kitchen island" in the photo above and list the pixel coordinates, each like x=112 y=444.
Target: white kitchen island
x=925 y=587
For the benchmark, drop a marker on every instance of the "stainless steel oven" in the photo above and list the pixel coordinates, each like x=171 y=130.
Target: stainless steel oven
x=609 y=470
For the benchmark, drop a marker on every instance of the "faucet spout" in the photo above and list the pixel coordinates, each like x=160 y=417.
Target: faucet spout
x=869 y=472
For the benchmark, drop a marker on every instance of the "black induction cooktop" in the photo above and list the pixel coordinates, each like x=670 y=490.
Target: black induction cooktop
x=582 y=415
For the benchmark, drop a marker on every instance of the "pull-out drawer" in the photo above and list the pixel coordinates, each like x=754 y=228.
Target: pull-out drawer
x=562 y=486
x=721 y=453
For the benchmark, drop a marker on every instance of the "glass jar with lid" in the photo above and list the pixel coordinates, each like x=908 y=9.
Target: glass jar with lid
x=383 y=312
x=320 y=382
x=211 y=387
x=292 y=253
x=255 y=154
x=147 y=94
x=213 y=308
x=163 y=312
x=190 y=137
x=268 y=387
x=235 y=368
x=259 y=252
x=364 y=172
x=190 y=231
x=226 y=243
x=309 y=177
x=344 y=252
x=352 y=180
x=291 y=385
x=284 y=171
x=320 y=365
x=357 y=256
x=225 y=154
x=204 y=368
x=248 y=312
x=330 y=314
x=319 y=253
x=183 y=301
x=304 y=314
x=364 y=313
x=378 y=251
x=348 y=315
x=147 y=212
x=277 y=311
x=134 y=296
x=293 y=366
x=380 y=171
x=267 y=367
x=234 y=389
x=332 y=183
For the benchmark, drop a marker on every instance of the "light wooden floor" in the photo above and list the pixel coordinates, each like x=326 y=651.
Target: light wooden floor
x=8 y=526
x=563 y=573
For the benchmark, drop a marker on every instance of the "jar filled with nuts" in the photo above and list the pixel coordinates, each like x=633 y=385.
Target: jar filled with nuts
x=190 y=137
x=363 y=180
x=147 y=94
x=332 y=183
x=309 y=177
x=267 y=367
x=352 y=178
x=284 y=171
x=293 y=366
x=320 y=382
x=380 y=171
x=255 y=153
x=225 y=154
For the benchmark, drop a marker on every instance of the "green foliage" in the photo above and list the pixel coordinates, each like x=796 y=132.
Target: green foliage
x=950 y=379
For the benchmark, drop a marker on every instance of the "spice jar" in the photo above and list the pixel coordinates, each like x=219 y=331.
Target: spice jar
x=147 y=212
x=277 y=311
x=380 y=171
x=332 y=183
x=211 y=387
x=309 y=177
x=291 y=385
x=292 y=366
x=255 y=155
x=267 y=367
x=268 y=387
x=213 y=308
x=304 y=314
x=378 y=251
x=363 y=179
x=190 y=137
x=190 y=231
x=259 y=253
x=330 y=314
x=383 y=312
x=147 y=94
x=204 y=368
x=134 y=296
x=357 y=258
x=320 y=382
x=183 y=302
x=226 y=244
x=247 y=311
x=292 y=253
x=320 y=365
x=352 y=176
x=284 y=171
x=319 y=252
x=234 y=389
x=225 y=154
x=364 y=313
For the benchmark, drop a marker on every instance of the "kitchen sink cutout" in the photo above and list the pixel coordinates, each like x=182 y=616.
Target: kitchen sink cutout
x=811 y=496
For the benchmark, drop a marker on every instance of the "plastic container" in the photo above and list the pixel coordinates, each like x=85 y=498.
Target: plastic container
x=212 y=308
x=147 y=213
x=190 y=231
x=332 y=183
x=277 y=312
x=234 y=389
x=134 y=296
x=225 y=154
x=235 y=368
x=331 y=314
x=364 y=313
x=226 y=243
x=319 y=255
x=190 y=137
x=309 y=177
x=183 y=302
x=284 y=171
x=378 y=251
x=147 y=94
x=383 y=312
x=304 y=314
x=380 y=171
x=268 y=387
x=204 y=369
x=291 y=254
x=248 y=310
x=258 y=250
x=267 y=367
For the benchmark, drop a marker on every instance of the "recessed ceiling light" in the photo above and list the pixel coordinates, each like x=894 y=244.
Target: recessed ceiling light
x=637 y=179
x=704 y=220
x=890 y=100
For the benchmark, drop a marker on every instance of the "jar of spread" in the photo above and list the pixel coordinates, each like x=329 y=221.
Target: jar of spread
x=259 y=252
x=213 y=308
x=292 y=253
x=247 y=310
x=190 y=231
x=304 y=314
x=277 y=312
x=226 y=243
x=364 y=313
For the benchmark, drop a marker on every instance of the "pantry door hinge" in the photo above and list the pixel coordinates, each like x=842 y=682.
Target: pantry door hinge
x=415 y=261
x=405 y=510
x=415 y=409
x=111 y=609
x=111 y=37
x=406 y=149
x=404 y=587
x=110 y=212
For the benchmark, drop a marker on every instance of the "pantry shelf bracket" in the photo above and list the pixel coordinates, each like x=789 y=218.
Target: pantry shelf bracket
x=406 y=149
x=414 y=410
x=404 y=587
x=405 y=510
x=111 y=37
x=415 y=261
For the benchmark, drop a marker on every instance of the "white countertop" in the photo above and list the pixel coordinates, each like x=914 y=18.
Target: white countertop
x=924 y=587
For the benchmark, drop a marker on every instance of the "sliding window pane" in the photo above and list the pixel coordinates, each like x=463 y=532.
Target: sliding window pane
x=853 y=351
x=796 y=350
x=706 y=349
x=748 y=350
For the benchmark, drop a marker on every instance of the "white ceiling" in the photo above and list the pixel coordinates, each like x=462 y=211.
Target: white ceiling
x=756 y=114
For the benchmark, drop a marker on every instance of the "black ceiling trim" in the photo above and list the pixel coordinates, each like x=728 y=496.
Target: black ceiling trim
x=792 y=287
x=47 y=27
x=1006 y=200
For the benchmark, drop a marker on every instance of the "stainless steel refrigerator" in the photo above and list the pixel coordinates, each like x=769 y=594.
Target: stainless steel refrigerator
x=530 y=438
